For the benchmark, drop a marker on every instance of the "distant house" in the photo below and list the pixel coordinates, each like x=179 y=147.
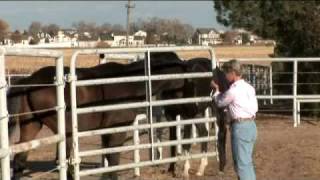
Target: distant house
x=232 y=37
x=141 y=33
x=118 y=39
x=85 y=39
x=207 y=36
x=7 y=42
x=67 y=36
x=44 y=38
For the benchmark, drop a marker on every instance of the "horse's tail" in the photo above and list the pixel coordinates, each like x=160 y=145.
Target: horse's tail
x=14 y=105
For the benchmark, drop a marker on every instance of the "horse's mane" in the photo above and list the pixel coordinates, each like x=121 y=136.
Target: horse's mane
x=113 y=69
x=218 y=76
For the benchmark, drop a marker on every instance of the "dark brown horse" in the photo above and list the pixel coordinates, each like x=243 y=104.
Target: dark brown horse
x=31 y=99
x=198 y=87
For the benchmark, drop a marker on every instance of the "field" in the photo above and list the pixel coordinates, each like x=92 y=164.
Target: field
x=30 y=64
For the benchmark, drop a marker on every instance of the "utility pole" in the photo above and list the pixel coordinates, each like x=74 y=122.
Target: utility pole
x=129 y=7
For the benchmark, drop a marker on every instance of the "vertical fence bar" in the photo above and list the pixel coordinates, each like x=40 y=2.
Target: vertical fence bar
x=61 y=117
x=271 y=84
x=75 y=160
x=178 y=134
x=4 y=119
x=265 y=82
x=207 y=115
x=194 y=131
x=136 y=141
x=295 y=81
x=150 y=116
x=298 y=112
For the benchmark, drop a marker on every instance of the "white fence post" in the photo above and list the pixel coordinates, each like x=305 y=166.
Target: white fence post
x=294 y=86
x=136 y=141
x=271 y=83
x=4 y=119
x=61 y=117
x=75 y=160
x=178 y=134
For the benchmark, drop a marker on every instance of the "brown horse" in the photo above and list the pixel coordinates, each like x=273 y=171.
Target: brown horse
x=31 y=99
x=162 y=63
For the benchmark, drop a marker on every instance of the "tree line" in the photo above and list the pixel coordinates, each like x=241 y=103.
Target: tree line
x=158 y=30
x=294 y=25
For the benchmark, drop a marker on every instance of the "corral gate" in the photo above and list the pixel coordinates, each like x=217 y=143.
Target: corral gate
x=148 y=104
x=5 y=149
x=261 y=74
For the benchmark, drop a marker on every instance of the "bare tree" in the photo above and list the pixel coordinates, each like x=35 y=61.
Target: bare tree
x=51 y=29
x=4 y=29
x=169 y=30
x=105 y=28
x=83 y=26
x=118 y=28
x=34 y=28
x=16 y=37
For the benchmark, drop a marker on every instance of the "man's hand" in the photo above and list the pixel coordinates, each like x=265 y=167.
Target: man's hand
x=214 y=85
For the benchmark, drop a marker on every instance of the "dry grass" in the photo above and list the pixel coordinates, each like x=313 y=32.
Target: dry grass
x=30 y=64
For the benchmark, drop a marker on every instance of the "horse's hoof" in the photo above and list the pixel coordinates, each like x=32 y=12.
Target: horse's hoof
x=186 y=176
x=177 y=175
x=220 y=173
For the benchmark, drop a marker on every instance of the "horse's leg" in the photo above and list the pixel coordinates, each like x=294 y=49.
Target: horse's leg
x=159 y=131
x=186 y=148
x=28 y=131
x=113 y=140
x=104 y=160
x=172 y=137
x=203 y=132
x=222 y=140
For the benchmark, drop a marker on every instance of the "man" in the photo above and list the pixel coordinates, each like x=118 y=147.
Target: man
x=241 y=103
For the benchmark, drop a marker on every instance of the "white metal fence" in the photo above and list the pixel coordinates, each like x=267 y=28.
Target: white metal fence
x=6 y=150
x=148 y=104
x=294 y=96
x=59 y=138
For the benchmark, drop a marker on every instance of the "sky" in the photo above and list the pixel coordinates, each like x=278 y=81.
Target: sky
x=20 y=14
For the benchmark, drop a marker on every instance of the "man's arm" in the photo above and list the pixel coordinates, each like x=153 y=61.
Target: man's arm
x=223 y=99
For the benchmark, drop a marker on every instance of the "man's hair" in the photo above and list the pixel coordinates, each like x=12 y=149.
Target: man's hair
x=232 y=66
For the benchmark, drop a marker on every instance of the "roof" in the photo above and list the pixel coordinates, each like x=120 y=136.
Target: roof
x=83 y=37
x=120 y=33
x=206 y=30
x=68 y=30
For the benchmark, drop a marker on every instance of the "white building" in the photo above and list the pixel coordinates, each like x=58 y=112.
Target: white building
x=119 y=39
x=207 y=36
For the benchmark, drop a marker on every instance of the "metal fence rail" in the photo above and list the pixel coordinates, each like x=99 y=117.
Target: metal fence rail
x=4 y=116
x=297 y=98
x=148 y=104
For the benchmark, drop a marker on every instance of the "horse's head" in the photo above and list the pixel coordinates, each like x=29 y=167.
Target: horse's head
x=220 y=78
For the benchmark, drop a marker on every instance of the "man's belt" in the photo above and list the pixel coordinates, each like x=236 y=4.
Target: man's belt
x=243 y=119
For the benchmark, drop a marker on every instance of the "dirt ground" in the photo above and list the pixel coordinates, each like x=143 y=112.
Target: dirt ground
x=282 y=153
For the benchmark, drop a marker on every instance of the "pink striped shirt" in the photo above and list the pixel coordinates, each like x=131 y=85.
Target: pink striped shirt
x=240 y=99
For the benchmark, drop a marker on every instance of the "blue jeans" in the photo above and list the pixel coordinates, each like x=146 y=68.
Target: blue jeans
x=243 y=138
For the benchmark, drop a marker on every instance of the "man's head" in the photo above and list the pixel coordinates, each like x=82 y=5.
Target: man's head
x=232 y=69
